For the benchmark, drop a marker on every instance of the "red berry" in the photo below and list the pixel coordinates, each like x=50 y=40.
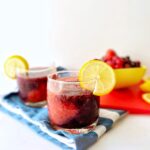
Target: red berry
x=117 y=66
x=115 y=58
x=111 y=63
x=138 y=63
x=116 y=62
x=133 y=64
x=127 y=66
x=119 y=62
x=110 y=53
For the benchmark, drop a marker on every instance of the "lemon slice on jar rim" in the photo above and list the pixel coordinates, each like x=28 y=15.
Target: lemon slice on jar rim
x=99 y=71
x=13 y=63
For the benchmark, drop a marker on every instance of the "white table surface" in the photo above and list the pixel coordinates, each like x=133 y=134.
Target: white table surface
x=130 y=133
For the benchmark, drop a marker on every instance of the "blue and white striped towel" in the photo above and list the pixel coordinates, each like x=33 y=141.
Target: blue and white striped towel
x=37 y=120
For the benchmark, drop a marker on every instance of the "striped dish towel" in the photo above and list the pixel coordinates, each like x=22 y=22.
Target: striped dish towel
x=37 y=120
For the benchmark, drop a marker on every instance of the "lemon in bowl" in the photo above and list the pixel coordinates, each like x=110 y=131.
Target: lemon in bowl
x=126 y=77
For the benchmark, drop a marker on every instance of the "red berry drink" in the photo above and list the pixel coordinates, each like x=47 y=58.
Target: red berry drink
x=71 y=107
x=32 y=89
x=33 y=86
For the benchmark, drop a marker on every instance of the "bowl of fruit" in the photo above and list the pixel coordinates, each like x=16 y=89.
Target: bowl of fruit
x=127 y=71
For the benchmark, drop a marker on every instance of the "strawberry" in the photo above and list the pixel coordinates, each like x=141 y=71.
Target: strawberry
x=110 y=53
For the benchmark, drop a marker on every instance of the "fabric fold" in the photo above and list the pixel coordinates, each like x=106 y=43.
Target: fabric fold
x=37 y=120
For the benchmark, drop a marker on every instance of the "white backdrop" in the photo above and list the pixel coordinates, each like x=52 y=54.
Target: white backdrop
x=70 y=32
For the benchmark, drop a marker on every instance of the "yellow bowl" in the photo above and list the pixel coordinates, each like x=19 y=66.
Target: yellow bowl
x=129 y=76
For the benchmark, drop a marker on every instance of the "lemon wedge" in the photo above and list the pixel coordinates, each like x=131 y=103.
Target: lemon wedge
x=145 y=87
x=146 y=97
x=99 y=71
x=146 y=78
x=13 y=63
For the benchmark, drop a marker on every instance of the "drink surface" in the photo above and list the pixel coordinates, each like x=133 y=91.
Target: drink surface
x=71 y=106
